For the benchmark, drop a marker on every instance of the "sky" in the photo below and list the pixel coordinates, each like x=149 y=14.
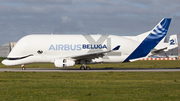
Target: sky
x=19 y=18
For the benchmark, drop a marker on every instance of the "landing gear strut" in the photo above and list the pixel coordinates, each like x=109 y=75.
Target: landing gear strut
x=23 y=67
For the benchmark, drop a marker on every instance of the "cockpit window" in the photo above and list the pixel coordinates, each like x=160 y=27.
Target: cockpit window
x=39 y=51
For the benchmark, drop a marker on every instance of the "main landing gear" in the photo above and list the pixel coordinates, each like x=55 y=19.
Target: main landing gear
x=23 y=67
x=84 y=67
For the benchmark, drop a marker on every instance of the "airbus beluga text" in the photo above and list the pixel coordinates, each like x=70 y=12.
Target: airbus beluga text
x=68 y=50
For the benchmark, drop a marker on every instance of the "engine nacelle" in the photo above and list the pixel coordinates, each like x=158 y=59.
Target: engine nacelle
x=64 y=63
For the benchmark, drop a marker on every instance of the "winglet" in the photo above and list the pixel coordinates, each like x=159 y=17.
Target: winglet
x=116 y=48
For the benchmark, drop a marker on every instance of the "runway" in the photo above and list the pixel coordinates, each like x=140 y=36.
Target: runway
x=92 y=70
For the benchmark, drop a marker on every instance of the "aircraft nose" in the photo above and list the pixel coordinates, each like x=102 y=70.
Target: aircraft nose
x=4 y=62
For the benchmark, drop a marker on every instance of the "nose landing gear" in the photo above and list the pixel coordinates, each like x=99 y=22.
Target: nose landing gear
x=23 y=67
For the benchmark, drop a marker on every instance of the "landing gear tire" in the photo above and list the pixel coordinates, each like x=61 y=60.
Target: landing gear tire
x=82 y=68
x=23 y=68
x=85 y=68
x=88 y=68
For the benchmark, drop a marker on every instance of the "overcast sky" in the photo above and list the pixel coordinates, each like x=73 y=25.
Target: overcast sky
x=118 y=17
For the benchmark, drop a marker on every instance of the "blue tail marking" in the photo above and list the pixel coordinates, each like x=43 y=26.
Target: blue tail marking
x=155 y=36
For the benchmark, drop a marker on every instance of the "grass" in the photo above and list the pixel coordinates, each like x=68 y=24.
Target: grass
x=108 y=86
x=125 y=86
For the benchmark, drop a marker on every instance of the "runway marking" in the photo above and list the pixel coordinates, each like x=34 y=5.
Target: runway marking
x=92 y=70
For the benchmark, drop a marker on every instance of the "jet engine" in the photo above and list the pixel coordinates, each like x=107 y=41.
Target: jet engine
x=64 y=63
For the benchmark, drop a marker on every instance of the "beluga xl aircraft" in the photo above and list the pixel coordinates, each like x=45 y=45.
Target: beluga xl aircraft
x=68 y=50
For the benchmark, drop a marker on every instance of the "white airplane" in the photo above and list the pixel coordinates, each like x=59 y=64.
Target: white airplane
x=163 y=46
x=68 y=50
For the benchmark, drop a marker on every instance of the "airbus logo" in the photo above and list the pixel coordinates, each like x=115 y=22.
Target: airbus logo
x=77 y=47
x=90 y=46
x=93 y=46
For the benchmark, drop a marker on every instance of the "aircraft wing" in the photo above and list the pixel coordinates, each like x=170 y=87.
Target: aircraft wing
x=90 y=56
x=164 y=46
x=157 y=51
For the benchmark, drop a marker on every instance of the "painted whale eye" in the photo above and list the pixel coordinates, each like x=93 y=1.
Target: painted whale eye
x=39 y=51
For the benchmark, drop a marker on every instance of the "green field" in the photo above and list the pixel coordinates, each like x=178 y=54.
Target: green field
x=109 y=86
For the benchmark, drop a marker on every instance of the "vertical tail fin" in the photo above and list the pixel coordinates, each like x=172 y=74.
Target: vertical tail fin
x=153 y=38
x=173 y=42
x=160 y=30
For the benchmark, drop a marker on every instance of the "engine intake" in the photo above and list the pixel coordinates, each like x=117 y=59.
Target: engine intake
x=63 y=63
